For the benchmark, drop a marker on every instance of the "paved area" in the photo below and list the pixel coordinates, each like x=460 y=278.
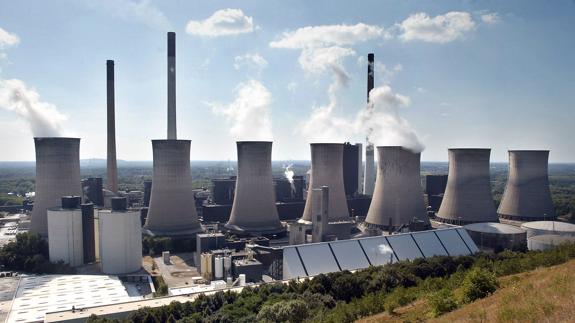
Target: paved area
x=8 y=287
x=180 y=270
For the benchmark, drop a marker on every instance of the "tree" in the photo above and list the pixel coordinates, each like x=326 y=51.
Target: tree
x=478 y=283
x=294 y=311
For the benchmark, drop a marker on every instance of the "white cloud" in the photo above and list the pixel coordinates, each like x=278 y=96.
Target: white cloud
x=8 y=39
x=316 y=61
x=43 y=117
x=251 y=61
x=249 y=113
x=439 y=29
x=327 y=35
x=223 y=22
x=490 y=18
x=137 y=11
x=292 y=86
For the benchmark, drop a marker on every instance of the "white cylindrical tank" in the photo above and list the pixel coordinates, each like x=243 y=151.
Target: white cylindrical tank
x=398 y=196
x=527 y=196
x=467 y=197
x=65 y=240
x=120 y=241
x=254 y=209
x=219 y=267
x=537 y=228
x=228 y=266
x=172 y=210
x=57 y=175
x=327 y=170
x=497 y=236
x=242 y=280
x=547 y=241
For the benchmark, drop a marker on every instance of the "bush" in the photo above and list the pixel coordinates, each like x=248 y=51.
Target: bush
x=293 y=311
x=442 y=302
x=478 y=283
x=399 y=297
x=160 y=285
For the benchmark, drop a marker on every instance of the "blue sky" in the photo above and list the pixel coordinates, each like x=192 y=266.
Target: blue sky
x=496 y=74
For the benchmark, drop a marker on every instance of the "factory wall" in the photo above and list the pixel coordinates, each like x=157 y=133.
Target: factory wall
x=120 y=241
x=65 y=239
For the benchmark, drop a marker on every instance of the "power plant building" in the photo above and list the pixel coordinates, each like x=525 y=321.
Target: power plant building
x=527 y=196
x=327 y=170
x=351 y=160
x=57 y=175
x=467 y=197
x=398 y=198
x=65 y=238
x=254 y=208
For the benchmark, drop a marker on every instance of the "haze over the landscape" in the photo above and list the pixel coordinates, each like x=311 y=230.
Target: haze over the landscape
x=449 y=74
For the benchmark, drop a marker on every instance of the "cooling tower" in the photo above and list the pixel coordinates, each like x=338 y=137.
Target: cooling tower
x=254 y=208
x=527 y=196
x=172 y=85
x=327 y=170
x=112 y=167
x=467 y=197
x=398 y=196
x=172 y=210
x=369 y=174
x=57 y=175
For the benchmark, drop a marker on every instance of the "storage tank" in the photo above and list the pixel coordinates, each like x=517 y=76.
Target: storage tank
x=537 y=228
x=467 y=197
x=254 y=209
x=57 y=175
x=172 y=210
x=527 y=196
x=65 y=240
x=497 y=236
x=327 y=170
x=120 y=239
x=218 y=267
x=547 y=241
x=398 y=196
x=228 y=266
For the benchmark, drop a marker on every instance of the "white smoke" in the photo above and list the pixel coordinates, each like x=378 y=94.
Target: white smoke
x=249 y=113
x=289 y=174
x=43 y=117
x=385 y=251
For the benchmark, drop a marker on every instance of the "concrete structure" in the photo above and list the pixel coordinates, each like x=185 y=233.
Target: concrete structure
x=467 y=198
x=57 y=175
x=120 y=239
x=527 y=196
x=172 y=86
x=111 y=165
x=359 y=167
x=65 y=239
x=350 y=167
x=369 y=173
x=254 y=209
x=93 y=190
x=320 y=213
x=88 y=232
x=327 y=170
x=547 y=241
x=172 y=210
x=537 y=228
x=496 y=237
x=398 y=197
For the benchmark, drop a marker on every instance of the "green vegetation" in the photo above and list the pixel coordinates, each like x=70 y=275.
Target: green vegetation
x=10 y=199
x=153 y=246
x=29 y=253
x=445 y=282
x=160 y=286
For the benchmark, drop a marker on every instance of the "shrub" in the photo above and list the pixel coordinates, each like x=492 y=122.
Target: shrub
x=442 y=302
x=293 y=311
x=478 y=283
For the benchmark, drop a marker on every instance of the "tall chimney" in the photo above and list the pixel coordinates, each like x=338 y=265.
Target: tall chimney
x=112 y=167
x=370 y=65
x=172 y=85
x=369 y=173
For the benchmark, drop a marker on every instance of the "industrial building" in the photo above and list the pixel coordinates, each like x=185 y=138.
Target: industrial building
x=254 y=208
x=398 y=197
x=65 y=237
x=467 y=197
x=57 y=175
x=493 y=236
x=537 y=228
x=527 y=196
x=435 y=188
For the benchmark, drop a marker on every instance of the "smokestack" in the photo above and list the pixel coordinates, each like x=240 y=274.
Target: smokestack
x=527 y=196
x=254 y=209
x=327 y=170
x=172 y=85
x=112 y=167
x=369 y=173
x=370 y=65
x=172 y=210
x=398 y=197
x=467 y=197
x=57 y=175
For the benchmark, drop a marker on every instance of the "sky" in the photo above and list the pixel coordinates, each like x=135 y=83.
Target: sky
x=448 y=74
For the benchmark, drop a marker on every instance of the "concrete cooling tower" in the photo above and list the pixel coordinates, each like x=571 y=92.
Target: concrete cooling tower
x=467 y=197
x=527 y=196
x=398 y=196
x=57 y=175
x=172 y=210
x=327 y=170
x=369 y=174
x=254 y=208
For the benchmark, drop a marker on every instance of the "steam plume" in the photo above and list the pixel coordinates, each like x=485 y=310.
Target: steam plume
x=43 y=117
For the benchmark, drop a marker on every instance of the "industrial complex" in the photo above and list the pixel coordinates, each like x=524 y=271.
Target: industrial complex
x=254 y=228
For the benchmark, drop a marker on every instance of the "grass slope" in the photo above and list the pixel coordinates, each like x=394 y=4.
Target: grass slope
x=542 y=295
